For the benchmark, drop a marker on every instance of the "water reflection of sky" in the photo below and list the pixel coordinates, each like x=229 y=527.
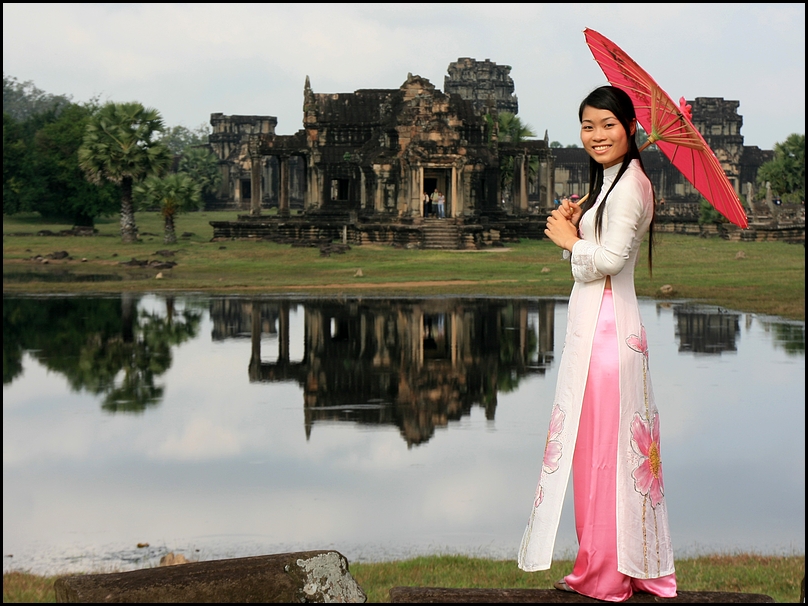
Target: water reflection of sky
x=222 y=466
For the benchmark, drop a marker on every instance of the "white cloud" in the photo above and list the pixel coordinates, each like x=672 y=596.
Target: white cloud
x=190 y=60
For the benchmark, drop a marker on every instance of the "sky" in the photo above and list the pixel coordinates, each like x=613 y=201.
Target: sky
x=191 y=60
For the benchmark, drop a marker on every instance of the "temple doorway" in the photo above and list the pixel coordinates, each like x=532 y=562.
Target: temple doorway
x=440 y=179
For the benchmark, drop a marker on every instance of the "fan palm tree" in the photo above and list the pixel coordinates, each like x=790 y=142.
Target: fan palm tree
x=173 y=194
x=512 y=129
x=119 y=146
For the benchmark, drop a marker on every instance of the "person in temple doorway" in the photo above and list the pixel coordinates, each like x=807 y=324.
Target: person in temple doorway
x=427 y=204
x=434 y=197
x=441 y=205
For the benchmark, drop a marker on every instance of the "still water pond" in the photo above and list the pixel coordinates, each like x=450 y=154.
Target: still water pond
x=384 y=428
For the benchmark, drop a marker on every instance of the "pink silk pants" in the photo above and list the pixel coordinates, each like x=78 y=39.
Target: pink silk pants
x=594 y=476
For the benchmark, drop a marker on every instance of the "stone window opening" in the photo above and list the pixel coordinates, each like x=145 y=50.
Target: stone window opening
x=339 y=190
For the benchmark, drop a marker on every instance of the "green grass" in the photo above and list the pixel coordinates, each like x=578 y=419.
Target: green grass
x=778 y=577
x=768 y=278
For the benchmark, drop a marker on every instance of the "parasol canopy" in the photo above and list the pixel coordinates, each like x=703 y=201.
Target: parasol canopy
x=669 y=126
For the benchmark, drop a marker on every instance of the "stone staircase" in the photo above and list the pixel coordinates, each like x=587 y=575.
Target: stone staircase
x=441 y=234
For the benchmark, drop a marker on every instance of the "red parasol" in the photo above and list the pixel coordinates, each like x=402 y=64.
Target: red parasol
x=669 y=126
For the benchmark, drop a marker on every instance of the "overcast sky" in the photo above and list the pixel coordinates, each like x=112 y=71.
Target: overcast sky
x=191 y=60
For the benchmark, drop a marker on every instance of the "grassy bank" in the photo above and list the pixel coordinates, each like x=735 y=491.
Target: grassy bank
x=778 y=577
x=761 y=277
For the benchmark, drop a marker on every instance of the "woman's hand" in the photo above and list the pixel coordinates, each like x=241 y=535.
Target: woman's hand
x=571 y=211
x=561 y=230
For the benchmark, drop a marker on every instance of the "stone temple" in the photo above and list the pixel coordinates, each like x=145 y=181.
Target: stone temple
x=358 y=170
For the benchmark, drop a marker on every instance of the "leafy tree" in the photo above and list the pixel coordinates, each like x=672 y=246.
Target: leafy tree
x=173 y=193
x=708 y=214
x=20 y=179
x=202 y=165
x=63 y=191
x=120 y=146
x=786 y=172
x=179 y=138
x=41 y=136
x=555 y=145
x=22 y=100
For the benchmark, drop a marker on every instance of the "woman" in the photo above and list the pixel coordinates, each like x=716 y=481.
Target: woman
x=604 y=424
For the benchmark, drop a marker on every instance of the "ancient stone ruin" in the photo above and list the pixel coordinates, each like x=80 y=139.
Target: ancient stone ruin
x=360 y=168
x=362 y=164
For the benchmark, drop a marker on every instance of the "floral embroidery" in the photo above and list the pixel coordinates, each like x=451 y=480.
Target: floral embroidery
x=539 y=495
x=648 y=474
x=552 y=451
x=639 y=344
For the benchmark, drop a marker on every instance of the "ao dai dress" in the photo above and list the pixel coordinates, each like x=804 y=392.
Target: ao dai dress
x=621 y=508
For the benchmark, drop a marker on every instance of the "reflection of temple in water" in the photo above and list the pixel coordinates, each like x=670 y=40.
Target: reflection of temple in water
x=413 y=363
x=709 y=330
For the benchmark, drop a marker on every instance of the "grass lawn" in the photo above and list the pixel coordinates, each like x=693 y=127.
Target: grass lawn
x=760 y=277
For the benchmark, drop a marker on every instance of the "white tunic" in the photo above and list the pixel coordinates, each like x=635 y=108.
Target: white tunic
x=643 y=539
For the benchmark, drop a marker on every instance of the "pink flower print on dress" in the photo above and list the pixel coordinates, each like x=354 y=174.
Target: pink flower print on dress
x=639 y=344
x=539 y=496
x=648 y=474
x=552 y=450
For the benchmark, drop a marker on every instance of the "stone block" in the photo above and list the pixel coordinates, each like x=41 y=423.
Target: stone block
x=308 y=576
x=441 y=595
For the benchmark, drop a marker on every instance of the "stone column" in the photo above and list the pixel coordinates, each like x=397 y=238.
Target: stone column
x=314 y=193
x=378 y=196
x=415 y=197
x=750 y=200
x=454 y=204
x=421 y=190
x=549 y=180
x=254 y=147
x=283 y=194
x=363 y=194
x=521 y=169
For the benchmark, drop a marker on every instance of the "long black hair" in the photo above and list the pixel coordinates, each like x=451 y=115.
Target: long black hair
x=619 y=103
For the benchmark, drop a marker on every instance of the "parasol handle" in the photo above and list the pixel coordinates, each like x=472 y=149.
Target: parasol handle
x=649 y=141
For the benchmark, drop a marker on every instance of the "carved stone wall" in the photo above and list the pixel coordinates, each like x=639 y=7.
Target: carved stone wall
x=484 y=83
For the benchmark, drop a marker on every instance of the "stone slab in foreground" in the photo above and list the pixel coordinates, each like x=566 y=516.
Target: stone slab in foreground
x=440 y=595
x=307 y=576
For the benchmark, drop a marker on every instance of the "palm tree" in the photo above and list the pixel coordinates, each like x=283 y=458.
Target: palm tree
x=119 y=146
x=511 y=128
x=174 y=193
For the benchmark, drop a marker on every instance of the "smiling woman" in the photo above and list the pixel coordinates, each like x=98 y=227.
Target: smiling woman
x=604 y=386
